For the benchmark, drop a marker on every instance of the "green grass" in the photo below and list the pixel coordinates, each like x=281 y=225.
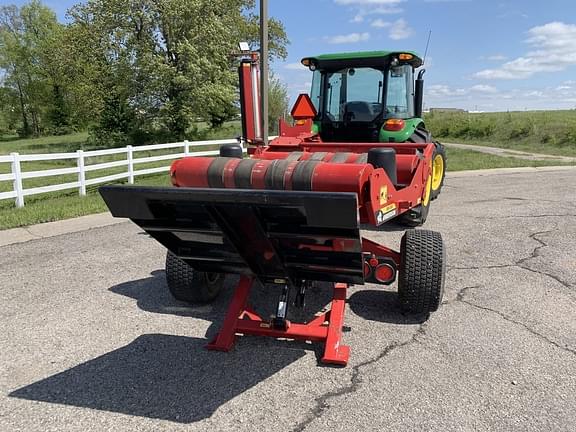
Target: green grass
x=64 y=205
x=460 y=160
x=50 y=144
x=546 y=132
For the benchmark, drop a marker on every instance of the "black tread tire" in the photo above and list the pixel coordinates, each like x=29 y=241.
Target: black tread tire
x=189 y=285
x=422 y=272
x=414 y=217
x=440 y=150
x=420 y=136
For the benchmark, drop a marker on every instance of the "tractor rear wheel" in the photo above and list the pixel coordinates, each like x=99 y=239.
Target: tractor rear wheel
x=438 y=170
x=189 y=285
x=422 y=273
x=417 y=216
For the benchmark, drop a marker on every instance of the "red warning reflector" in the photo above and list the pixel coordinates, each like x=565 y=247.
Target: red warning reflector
x=303 y=108
x=384 y=273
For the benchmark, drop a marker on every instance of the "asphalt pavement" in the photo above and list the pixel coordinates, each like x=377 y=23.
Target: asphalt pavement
x=92 y=341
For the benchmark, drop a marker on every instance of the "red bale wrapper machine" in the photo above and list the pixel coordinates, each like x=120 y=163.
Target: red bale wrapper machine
x=289 y=215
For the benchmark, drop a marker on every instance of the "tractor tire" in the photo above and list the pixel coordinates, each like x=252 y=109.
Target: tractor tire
x=438 y=170
x=417 y=216
x=414 y=217
x=420 y=136
x=191 y=286
x=422 y=273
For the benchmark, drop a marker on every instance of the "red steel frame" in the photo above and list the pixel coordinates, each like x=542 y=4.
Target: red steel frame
x=326 y=327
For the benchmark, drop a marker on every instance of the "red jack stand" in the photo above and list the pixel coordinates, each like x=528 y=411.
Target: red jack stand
x=326 y=327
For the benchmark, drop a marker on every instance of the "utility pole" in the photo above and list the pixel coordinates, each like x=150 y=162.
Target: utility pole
x=264 y=68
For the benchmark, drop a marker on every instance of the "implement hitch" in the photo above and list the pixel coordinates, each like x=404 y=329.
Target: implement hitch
x=326 y=327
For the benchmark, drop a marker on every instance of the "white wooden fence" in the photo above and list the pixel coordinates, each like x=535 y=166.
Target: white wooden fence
x=131 y=162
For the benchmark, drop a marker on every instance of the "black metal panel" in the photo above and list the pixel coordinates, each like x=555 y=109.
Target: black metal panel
x=269 y=234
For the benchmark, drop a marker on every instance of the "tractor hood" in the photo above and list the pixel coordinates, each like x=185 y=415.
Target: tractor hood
x=375 y=59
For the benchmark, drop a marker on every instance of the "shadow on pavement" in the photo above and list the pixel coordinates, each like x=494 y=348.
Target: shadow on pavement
x=382 y=306
x=162 y=377
x=174 y=377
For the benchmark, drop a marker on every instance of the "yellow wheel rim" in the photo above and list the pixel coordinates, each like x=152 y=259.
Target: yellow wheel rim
x=427 y=192
x=437 y=172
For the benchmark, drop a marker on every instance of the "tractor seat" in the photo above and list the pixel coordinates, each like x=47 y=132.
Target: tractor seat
x=361 y=111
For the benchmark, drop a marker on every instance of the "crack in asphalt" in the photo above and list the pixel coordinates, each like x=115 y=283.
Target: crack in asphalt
x=36 y=236
x=322 y=404
x=460 y=297
x=521 y=263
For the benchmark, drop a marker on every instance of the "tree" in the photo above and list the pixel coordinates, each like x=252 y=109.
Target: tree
x=167 y=61
x=30 y=57
x=278 y=101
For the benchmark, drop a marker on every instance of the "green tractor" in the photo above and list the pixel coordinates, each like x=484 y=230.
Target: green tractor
x=372 y=96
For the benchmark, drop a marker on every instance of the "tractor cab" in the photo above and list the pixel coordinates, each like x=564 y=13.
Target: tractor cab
x=366 y=96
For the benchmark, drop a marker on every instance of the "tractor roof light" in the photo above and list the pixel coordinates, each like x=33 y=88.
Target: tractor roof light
x=394 y=125
x=405 y=57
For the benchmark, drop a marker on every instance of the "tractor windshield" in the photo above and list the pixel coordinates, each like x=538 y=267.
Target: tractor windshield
x=351 y=94
x=353 y=102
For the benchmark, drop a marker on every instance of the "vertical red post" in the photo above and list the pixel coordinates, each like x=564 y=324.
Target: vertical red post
x=225 y=339
x=334 y=351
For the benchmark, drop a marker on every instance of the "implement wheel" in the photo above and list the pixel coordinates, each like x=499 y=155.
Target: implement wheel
x=189 y=285
x=422 y=273
x=438 y=170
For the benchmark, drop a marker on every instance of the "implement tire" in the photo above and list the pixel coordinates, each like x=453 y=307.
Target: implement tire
x=438 y=170
x=191 y=286
x=422 y=272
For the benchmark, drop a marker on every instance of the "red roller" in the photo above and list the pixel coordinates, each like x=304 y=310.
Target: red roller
x=259 y=174
x=341 y=177
x=229 y=170
x=190 y=172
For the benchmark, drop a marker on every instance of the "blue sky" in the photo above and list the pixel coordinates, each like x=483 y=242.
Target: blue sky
x=487 y=55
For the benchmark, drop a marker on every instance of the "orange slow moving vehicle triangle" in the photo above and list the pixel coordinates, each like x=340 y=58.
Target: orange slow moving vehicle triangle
x=303 y=108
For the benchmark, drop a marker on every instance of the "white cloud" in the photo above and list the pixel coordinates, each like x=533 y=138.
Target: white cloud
x=363 y=8
x=380 y=23
x=368 y=2
x=495 y=57
x=349 y=38
x=483 y=88
x=400 y=30
x=554 y=49
x=486 y=97
x=358 y=18
x=295 y=66
x=444 y=90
